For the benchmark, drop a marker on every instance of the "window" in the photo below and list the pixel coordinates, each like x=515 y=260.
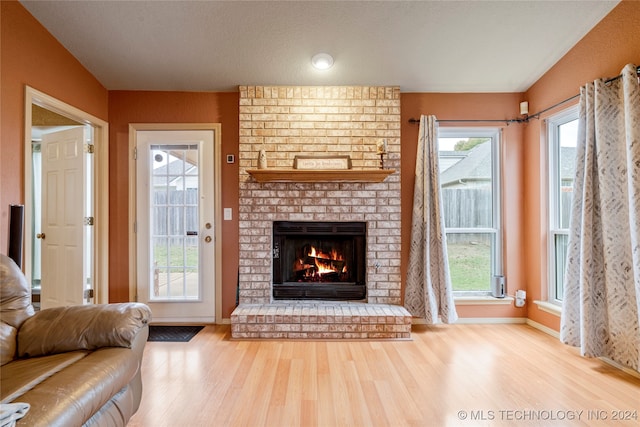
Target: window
x=563 y=135
x=470 y=184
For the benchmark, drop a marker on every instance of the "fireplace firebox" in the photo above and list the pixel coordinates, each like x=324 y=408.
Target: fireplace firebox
x=319 y=260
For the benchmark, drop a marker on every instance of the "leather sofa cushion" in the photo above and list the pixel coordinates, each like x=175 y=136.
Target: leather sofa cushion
x=86 y=327
x=15 y=306
x=22 y=375
x=8 y=335
x=117 y=411
x=15 y=293
x=73 y=395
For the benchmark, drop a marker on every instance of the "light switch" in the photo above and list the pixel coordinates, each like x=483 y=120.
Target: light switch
x=227 y=214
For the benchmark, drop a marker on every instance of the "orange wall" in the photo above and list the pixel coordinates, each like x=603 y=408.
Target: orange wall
x=464 y=107
x=29 y=55
x=603 y=52
x=170 y=107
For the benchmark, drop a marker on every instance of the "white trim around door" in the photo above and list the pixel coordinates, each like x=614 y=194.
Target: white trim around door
x=134 y=128
x=100 y=185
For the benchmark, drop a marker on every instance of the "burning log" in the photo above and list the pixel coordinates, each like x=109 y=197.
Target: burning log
x=324 y=264
x=317 y=266
x=300 y=265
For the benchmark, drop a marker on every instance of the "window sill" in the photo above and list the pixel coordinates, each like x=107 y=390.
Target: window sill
x=548 y=307
x=480 y=300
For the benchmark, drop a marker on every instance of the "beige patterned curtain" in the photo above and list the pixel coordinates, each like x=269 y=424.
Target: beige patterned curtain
x=428 y=291
x=601 y=301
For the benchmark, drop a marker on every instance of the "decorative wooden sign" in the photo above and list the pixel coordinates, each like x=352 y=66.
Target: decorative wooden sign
x=322 y=162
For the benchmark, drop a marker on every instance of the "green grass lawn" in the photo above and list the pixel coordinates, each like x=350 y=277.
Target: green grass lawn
x=177 y=257
x=470 y=266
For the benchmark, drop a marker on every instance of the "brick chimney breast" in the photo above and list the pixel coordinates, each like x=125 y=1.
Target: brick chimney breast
x=286 y=121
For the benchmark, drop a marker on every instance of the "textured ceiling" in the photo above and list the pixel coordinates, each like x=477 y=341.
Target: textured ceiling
x=421 y=46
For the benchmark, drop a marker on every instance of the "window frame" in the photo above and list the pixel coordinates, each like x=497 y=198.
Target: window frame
x=495 y=134
x=554 y=228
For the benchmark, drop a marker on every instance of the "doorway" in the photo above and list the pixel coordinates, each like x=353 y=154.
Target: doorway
x=174 y=202
x=65 y=130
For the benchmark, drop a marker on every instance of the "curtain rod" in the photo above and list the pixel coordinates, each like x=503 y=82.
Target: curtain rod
x=524 y=119
x=507 y=121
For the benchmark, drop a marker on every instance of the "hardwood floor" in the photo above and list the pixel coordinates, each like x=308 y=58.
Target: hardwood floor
x=448 y=375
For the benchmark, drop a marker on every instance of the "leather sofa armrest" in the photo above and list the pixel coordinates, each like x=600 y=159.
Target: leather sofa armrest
x=85 y=327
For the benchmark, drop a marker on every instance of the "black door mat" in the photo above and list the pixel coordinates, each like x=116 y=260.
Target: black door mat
x=172 y=333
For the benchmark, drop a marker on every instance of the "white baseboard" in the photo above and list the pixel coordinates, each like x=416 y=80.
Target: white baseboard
x=491 y=320
x=478 y=320
x=184 y=321
x=543 y=328
x=621 y=367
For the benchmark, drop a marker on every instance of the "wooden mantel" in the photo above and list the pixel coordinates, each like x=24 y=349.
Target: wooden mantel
x=299 y=175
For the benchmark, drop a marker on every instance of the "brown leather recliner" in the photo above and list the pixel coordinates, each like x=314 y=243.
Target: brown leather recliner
x=74 y=366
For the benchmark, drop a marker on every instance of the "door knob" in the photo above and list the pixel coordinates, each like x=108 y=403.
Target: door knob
x=207 y=239
x=40 y=236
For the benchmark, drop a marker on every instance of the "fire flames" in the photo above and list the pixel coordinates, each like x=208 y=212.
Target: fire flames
x=318 y=265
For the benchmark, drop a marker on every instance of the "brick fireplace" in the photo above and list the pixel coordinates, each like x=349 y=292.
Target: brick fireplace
x=289 y=121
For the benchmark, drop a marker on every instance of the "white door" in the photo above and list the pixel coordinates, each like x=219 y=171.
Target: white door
x=174 y=224
x=66 y=202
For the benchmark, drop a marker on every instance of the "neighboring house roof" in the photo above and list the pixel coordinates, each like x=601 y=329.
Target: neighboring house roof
x=458 y=167
x=476 y=166
x=450 y=158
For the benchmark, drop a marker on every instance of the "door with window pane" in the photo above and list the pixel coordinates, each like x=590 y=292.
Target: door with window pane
x=175 y=223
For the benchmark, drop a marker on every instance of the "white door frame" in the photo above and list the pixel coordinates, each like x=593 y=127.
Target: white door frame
x=217 y=209
x=101 y=185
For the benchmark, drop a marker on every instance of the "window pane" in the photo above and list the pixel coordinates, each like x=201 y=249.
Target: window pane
x=568 y=135
x=467 y=207
x=175 y=222
x=560 y=244
x=470 y=261
x=470 y=196
x=466 y=182
x=563 y=136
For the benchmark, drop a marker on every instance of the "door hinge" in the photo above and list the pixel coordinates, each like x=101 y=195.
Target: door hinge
x=89 y=148
x=88 y=220
x=135 y=153
x=88 y=294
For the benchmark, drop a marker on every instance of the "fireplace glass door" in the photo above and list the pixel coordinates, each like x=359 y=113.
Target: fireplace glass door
x=319 y=260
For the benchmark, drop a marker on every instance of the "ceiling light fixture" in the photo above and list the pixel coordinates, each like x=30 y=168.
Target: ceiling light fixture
x=322 y=61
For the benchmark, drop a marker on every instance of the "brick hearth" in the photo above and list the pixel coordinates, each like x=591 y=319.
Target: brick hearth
x=321 y=320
